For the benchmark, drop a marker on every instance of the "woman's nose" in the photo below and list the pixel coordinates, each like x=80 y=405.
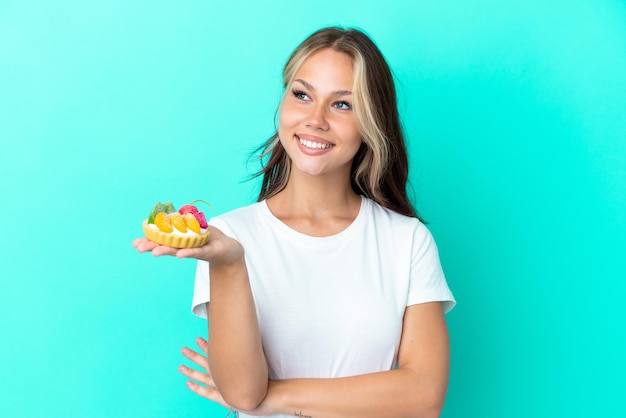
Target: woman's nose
x=317 y=117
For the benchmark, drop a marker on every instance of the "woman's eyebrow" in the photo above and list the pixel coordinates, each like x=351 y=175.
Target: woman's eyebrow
x=308 y=86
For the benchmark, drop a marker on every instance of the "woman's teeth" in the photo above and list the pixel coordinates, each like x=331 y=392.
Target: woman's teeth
x=313 y=145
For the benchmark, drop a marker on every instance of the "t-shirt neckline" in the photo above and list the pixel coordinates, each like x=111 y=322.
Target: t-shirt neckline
x=287 y=230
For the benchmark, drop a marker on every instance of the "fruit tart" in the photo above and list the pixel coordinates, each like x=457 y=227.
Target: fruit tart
x=182 y=228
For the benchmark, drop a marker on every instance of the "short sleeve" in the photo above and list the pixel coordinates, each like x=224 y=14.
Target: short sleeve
x=428 y=282
x=201 y=290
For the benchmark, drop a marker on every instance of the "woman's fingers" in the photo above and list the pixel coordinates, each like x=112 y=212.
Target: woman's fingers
x=211 y=394
x=160 y=250
x=197 y=375
x=144 y=245
x=206 y=388
x=199 y=253
x=198 y=359
x=206 y=392
x=201 y=382
x=203 y=344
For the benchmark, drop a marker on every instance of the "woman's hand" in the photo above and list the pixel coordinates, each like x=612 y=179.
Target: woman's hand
x=202 y=383
x=220 y=250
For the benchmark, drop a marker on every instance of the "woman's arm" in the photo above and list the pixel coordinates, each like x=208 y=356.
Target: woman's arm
x=416 y=389
x=238 y=362
x=234 y=350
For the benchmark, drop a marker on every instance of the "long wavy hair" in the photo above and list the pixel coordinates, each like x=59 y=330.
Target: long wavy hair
x=380 y=167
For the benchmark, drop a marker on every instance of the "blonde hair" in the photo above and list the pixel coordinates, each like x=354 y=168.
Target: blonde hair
x=380 y=167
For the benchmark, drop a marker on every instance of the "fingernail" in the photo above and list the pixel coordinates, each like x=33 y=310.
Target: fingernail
x=183 y=368
x=185 y=350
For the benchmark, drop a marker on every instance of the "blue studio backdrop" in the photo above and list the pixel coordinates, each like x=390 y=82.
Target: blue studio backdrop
x=515 y=113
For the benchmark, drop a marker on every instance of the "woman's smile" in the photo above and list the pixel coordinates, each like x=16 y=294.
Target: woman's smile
x=313 y=144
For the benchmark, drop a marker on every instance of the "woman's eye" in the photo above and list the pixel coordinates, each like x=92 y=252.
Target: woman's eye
x=343 y=105
x=299 y=94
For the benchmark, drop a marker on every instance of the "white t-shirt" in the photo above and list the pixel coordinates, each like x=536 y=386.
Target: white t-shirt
x=332 y=306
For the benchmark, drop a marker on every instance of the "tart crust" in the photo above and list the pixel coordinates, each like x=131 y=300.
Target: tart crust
x=173 y=240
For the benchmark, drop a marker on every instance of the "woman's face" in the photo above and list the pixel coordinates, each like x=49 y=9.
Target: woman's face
x=317 y=126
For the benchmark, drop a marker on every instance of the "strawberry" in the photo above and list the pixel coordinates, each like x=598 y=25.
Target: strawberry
x=177 y=221
x=201 y=219
x=188 y=209
x=162 y=222
x=191 y=222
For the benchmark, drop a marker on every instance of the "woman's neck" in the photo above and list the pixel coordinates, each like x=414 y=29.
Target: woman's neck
x=316 y=205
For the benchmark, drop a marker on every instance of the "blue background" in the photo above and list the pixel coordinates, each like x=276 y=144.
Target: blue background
x=516 y=118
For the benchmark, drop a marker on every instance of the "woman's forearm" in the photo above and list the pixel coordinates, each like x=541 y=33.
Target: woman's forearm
x=394 y=394
x=235 y=353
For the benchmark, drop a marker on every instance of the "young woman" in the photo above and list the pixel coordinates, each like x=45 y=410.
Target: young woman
x=327 y=297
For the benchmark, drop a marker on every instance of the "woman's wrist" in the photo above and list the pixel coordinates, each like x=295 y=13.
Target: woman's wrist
x=231 y=268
